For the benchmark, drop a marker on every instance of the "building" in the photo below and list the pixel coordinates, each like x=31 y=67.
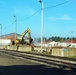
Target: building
x=47 y=43
x=63 y=49
x=6 y=39
x=72 y=42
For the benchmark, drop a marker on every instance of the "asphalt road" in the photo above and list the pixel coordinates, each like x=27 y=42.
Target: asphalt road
x=10 y=65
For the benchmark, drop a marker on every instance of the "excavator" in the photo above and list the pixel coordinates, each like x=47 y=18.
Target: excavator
x=22 y=43
x=22 y=40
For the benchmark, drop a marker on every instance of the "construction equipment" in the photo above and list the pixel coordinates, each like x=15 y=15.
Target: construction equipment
x=22 y=40
x=21 y=43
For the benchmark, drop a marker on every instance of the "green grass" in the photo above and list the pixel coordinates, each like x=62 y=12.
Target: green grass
x=72 y=57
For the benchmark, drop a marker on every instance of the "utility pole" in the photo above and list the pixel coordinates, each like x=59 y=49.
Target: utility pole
x=0 y=34
x=0 y=30
x=72 y=36
x=15 y=27
x=42 y=26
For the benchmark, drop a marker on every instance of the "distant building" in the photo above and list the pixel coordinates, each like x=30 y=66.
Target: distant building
x=6 y=39
x=46 y=43
x=72 y=42
x=52 y=43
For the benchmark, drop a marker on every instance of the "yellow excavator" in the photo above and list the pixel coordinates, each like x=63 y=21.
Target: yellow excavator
x=22 y=43
x=22 y=40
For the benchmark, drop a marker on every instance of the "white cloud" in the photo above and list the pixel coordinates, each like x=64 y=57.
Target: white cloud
x=58 y=18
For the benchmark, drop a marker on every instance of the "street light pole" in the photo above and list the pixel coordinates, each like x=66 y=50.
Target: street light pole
x=15 y=27
x=42 y=26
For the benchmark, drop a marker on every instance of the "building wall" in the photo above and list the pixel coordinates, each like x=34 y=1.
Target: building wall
x=56 y=51
x=70 y=52
x=63 y=52
x=5 y=41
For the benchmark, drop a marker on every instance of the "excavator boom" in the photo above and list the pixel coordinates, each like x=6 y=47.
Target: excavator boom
x=27 y=31
x=28 y=40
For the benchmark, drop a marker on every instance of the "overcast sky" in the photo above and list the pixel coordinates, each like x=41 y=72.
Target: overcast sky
x=59 y=18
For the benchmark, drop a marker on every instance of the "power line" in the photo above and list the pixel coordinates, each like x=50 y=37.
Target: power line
x=9 y=25
x=57 y=5
x=37 y=12
x=5 y=29
x=30 y=16
x=45 y=8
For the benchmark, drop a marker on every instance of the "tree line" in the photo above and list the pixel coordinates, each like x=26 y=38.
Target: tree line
x=55 y=38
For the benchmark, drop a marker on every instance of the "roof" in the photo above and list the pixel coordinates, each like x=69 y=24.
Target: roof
x=52 y=42
x=70 y=41
x=45 y=42
x=10 y=36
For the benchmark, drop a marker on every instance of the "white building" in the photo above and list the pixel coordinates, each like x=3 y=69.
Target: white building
x=58 y=44
x=53 y=43
x=5 y=41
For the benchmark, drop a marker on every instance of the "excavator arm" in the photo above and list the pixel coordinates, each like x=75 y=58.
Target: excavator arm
x=27 y=31
x=25 y=41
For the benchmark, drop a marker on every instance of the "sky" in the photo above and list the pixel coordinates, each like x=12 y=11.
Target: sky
x=59 y=17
